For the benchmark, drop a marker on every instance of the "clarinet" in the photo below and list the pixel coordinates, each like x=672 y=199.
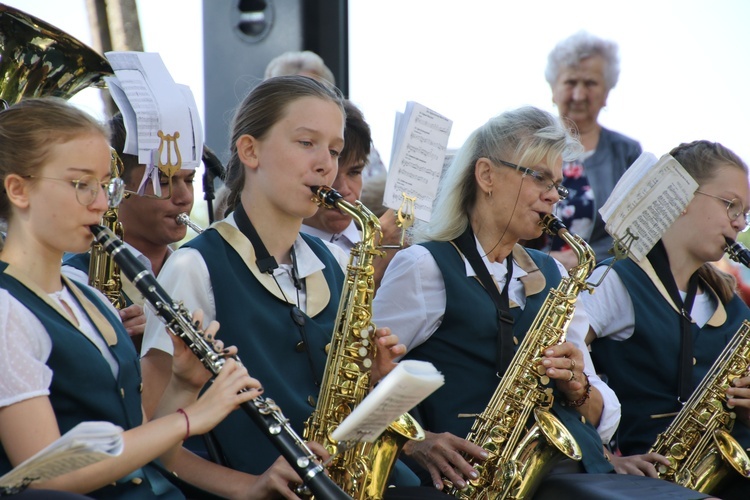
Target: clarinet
x=264 y=412
x=737 y=252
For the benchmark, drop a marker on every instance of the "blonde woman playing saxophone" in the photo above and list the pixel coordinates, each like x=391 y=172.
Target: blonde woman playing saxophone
x=501 y=182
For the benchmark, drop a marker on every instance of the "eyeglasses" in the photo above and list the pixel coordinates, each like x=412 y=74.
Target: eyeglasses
x=87 y=188
x=541 y=179
x=735 y=208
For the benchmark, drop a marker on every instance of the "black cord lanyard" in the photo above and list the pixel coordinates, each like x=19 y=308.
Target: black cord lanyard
x=267 y=264
x=468 y=246
x=660 y=261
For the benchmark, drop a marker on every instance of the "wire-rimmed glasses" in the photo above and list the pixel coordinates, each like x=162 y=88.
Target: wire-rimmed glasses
x=735 y=208
x=541 y=179
x=87 y=188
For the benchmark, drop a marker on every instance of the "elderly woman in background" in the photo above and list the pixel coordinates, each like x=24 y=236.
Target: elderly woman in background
x=581 y=70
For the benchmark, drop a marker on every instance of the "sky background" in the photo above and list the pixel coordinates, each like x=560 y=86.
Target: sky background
x=685 y=64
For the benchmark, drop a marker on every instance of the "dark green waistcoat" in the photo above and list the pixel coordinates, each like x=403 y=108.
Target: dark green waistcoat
x=261 y=327
x=464 y=350
x=643 y=369
x=83 y=388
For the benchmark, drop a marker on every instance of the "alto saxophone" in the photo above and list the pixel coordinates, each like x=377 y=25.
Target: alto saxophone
x=104 y=274
x=520 y=456
x=361 y=470
x=700 y=450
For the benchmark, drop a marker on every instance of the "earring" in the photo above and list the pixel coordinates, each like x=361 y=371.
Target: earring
x=489 y=194
x=683 y=212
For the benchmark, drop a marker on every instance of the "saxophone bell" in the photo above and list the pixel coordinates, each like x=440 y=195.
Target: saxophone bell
x=737 y=252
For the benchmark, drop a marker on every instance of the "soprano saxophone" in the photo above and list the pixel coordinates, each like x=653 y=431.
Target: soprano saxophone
x=264 y=412
x=361 y=469
x=697 y=443
x=520 y=456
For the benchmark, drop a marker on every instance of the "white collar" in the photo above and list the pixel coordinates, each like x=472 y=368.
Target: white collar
x=307 y=261
x=498 y=270
x=344 y=240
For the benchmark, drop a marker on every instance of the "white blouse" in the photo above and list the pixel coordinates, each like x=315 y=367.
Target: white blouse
x=25 y=347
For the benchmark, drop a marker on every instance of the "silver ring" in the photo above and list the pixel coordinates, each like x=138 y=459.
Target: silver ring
x=572 y=376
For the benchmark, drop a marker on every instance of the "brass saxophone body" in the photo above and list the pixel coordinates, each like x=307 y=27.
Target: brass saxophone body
x=104 y=273
x=362 y=469
x=520 y=456
x=697 y=443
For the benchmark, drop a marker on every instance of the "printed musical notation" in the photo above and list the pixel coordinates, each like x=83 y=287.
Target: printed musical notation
x=417 y=158
x=646 y=200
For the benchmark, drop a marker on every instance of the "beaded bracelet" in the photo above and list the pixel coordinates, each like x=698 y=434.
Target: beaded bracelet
x=187 y=421
x=580 y=401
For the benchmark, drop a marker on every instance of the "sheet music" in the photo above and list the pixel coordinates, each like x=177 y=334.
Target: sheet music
x=146 y=90
x=84 y=444
x=398 y=392
x=647 y=200
x=420 y=139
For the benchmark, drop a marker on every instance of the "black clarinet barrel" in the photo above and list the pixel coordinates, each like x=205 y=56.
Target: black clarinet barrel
x=262 y=411
x=738 y=252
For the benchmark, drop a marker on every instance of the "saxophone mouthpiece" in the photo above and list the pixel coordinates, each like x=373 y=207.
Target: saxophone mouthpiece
x=325 y=196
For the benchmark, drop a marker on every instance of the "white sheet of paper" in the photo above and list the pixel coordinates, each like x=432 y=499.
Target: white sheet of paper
x=420 y=140
x=399 y=391
x=158 y=104
x=647 y=199
x=84 y=444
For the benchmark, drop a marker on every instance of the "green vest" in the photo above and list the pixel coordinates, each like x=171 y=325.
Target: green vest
x=261 y=327
x=464 y=350
x=643 y=369
x=83 y=388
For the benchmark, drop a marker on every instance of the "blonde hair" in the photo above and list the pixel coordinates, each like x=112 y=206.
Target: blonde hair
x=528 y=134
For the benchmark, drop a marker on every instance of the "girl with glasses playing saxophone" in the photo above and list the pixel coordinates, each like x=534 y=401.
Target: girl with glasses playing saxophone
x=635 y=318
x=66 y=357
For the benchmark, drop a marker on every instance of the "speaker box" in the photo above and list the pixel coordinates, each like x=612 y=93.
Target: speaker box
x=240 y=37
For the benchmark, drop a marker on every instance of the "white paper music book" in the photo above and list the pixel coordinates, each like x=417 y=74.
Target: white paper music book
x=398 y=392
x=647 y=199
x=84 y=444
x=419 y=141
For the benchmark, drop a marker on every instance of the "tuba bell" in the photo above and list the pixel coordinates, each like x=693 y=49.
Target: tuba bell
x=40 y=60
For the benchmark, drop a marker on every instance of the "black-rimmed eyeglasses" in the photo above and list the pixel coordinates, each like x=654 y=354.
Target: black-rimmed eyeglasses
x=735 y=208
x=541 y=179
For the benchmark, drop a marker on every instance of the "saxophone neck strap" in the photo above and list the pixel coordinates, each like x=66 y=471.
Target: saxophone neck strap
x=466 y=243
x=266 y=262
x=660 y=261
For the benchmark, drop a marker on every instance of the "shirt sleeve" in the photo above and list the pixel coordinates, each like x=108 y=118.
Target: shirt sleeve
x=576 y=334
x=609 y=308
x=185 y=278
x=25 y=347
x=411 y=299
x=339 y=254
